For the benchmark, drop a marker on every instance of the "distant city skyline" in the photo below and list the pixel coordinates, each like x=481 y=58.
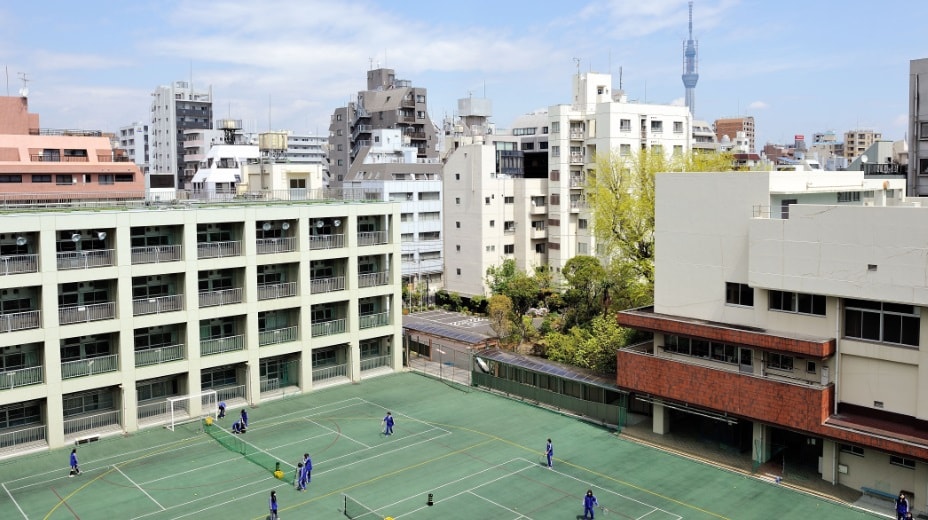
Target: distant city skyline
x=797 y=67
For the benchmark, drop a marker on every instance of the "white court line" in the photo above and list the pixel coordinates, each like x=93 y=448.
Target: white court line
x=15 y=503
x=337 y=433
x=513 y=511
x=471 y=490
x=138 y=486
x=196 y=469
x=401 y=448
x=646 y=514
x=411 y=418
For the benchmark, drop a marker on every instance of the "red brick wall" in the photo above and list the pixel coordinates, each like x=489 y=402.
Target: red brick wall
x=794 y=407
x=645 y=320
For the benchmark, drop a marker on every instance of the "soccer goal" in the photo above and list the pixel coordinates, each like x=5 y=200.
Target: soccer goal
x=179 y=407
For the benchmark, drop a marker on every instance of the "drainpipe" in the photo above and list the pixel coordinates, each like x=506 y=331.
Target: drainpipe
x=834 y=449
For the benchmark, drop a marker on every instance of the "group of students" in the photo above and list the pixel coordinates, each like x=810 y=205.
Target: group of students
x=589 y=500
x=239 y=426
x=303 y=474
x=903 y=511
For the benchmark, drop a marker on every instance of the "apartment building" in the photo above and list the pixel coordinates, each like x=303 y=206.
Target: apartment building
x=918 y=128
x=45 y=163
x=106 y=314
x=390 y=170
x=388 y=102
x=787 y=315
x=599 y=120
x=857 y=141
x=174 y=109
x=730 y=126
x=134 y=140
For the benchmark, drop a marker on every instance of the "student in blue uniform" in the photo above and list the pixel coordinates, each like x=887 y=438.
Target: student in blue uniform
x=589 y=502
x=300 y=484
x=902 y=506
x=272 y=504
x=237 y=427
x=549 y=453
x=74 y=469
x=244 y=420
x=222 y=409
x=388 y=424
x=308 y=467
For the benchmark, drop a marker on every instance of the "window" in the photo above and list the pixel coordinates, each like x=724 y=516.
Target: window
x=801 y=303
x=555 y=151
x=509 y=226
x=490 y=249
x=853 y=450
x=625 y=125
x=105 y=179
x=780 y=361
x=625 y=150
x=881 y=321
x=41 y=178
x=583 y=248
x=509 y=200
x=457 y=224
x=11 y=178
x=555 y=127
x=509 y=249
x=657 y=126
x=581 y=223
x=678 y=127
x=784 y=207
x=458 y=248
x=902 y=461
x=420 y=114
x=555 y=175
x=528 y=146
x=678 y=149
x=540 y=248
x=848 y=196
x=457 y=200
x=657 y=149
x=923 y=130
x=457 y=176
x=486 y=200
x=492 y=223
x=63 y=180
x=458 y=271
x=739 y=294
x=810 y=367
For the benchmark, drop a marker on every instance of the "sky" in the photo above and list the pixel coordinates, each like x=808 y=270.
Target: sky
x=798 y=67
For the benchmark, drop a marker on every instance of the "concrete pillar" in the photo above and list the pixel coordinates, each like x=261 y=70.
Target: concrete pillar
x=661 y=419
x=829 y=461
x=760 y=450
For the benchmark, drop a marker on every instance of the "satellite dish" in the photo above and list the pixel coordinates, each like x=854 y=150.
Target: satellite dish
x=285 y=226
x=266 y=226
x=101 y=235
x=320 y=224
x=864 y=159
x=20 y=241
x=76 y=237
x=24 y=92
x=336 y=222
x=482 y=365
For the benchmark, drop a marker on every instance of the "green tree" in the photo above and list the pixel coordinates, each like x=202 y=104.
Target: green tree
x=592 y=347
x=499 y=311
x=620 y=193
x=586 y=282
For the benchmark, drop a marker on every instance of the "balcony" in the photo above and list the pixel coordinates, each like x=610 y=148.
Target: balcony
x=108 y=420
x=373 y=279
x=158 y=305
x=539 y=209
x=20 y=321
x=576 y=134
x=539 y=232
x=275 y=245
x=18 y=264
x=577 y=182
x=328 y=328
x=156 y=254
x=223 y=297
x=156 y=356
x=69 y=260
x=273 y=291
x=22 y=377
x=372 y=238
x=360 y=129
x=90 y=366
x=371 y=363
x=54 y=157
x=34 y=434
x=86 y=313
x=419 y=136
x=329 y=372
x=219 y=249
x=326 y=241
x=576 y=206
x=369 y=321
x=273 y=337
x=576 y=158
x=324 y=285
x=213 y=346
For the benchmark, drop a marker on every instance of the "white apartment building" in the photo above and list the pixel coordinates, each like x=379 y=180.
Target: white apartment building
x=134 y=140
x=790 y=308
x=389 y=169
x=174 y=109
x=599 y=120
x=107 y=313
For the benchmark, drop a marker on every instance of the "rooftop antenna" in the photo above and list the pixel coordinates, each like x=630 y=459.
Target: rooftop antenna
x=620 y=78
x=24 y=92
x=577 y=61
x=269 y=113
x=370 y=63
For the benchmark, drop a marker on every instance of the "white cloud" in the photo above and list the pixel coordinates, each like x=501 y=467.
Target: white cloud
x=52 y=61
x=679 y=102
x=758 y=105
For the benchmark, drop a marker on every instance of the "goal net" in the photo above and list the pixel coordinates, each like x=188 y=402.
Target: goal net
x=180 y=407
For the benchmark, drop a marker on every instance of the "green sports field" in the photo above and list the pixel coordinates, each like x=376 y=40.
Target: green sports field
x=478 y=455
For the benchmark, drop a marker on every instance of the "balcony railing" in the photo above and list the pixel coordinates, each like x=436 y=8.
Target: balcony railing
x=371 y=363
x=372 y=279
x=25 y=435
x=209 y=347
x=89 y=366
x=148 y=410
x=270 y=385
x=272 y=337
x=329 y=372
x=20 y=321
x=21 y=377
x=374 y=320
x=324 y=285
x=223 y=297
x=91 y=422
x=158 y=305
x=219 y=249
x=229 y=393
x=326 y=241
x=272 y=291
x=327 y=328
x=275 y=245
x=38 y=157
x=156 y=356
x=68 y=260
x=156 y=254
x=576 y=158
x=86 y=313
x=577 y=182
x=372 y=238
x=17 y=264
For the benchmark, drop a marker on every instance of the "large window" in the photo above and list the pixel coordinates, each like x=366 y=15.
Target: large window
x=701 y=348
x=780 y=362
x=882 y=321
x=801 y=303
x=739 y=294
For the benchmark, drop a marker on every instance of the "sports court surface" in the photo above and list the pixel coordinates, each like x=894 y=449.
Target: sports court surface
x=479 y=455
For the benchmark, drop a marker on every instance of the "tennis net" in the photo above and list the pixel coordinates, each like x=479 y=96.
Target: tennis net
x=354 y=509
x=236 y=444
